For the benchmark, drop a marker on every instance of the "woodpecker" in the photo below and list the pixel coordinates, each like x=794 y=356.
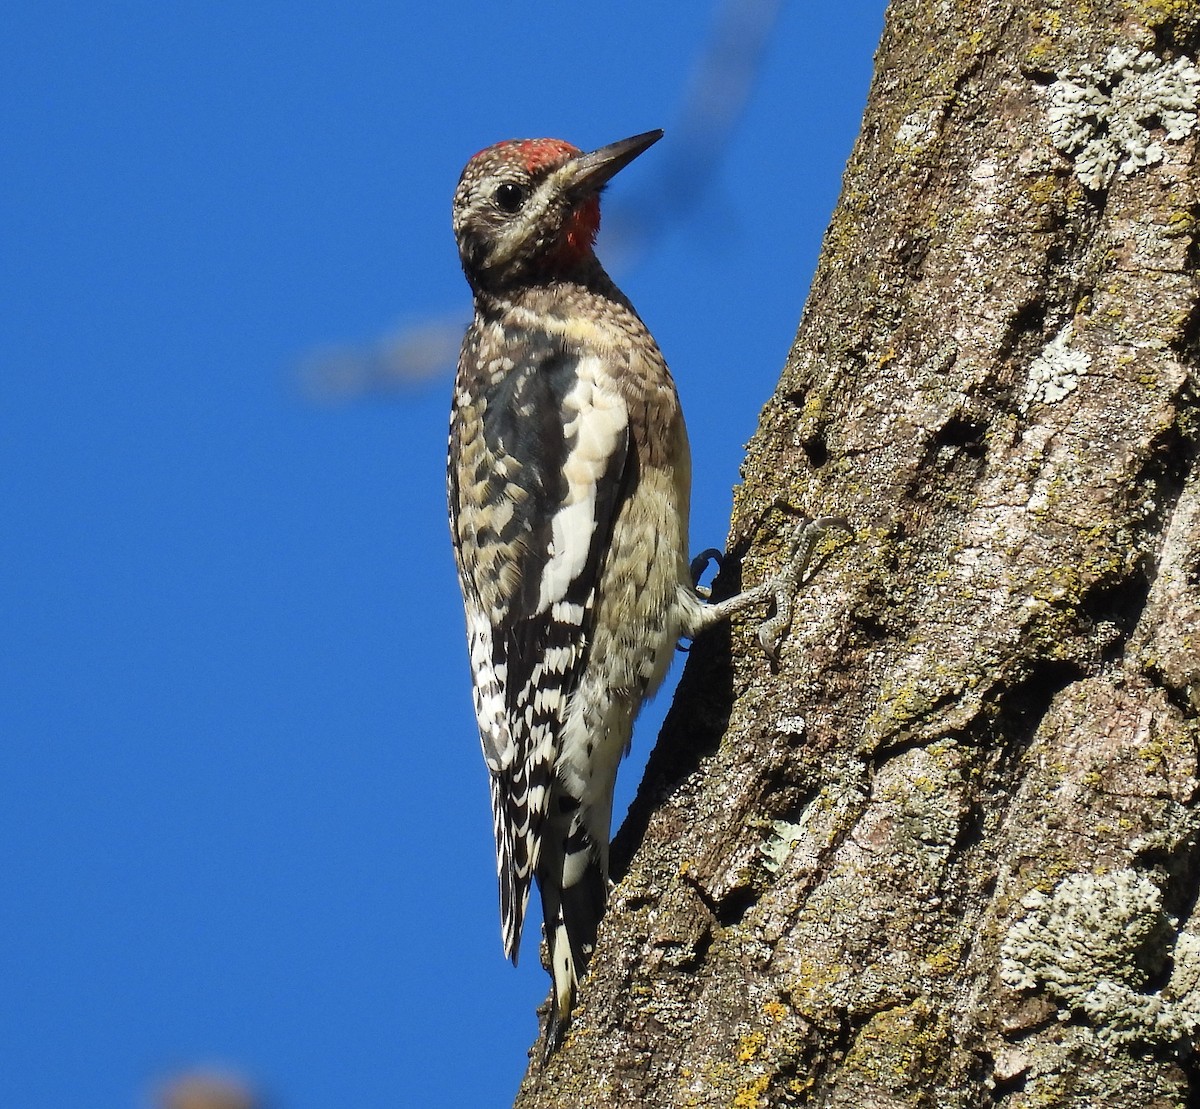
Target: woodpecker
x=569 y=479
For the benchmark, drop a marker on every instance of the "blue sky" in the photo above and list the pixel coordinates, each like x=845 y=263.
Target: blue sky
x=244 y=816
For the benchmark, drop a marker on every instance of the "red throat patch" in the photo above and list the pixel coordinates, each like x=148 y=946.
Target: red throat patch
x=579 y=234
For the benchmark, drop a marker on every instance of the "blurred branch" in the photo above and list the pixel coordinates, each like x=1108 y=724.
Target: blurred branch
x=406 y=358
x=714 y=100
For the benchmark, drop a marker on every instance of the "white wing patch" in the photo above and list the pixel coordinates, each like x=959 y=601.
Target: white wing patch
x=595 y=422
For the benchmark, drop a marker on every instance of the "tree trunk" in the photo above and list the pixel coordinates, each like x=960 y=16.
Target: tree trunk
x=944 y=853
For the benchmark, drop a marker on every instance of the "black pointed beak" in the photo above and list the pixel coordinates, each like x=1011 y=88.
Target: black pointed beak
x=590 y=171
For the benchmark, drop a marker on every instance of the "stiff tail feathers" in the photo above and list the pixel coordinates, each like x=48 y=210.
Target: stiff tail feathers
x=574 y=892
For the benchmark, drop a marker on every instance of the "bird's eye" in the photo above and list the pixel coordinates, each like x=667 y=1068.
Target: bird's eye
x=509 y=197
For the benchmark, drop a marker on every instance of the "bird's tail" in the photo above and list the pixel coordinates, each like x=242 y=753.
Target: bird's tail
x=573 y=880
x=516 y=856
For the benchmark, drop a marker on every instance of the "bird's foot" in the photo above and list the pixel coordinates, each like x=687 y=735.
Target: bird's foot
x=782 y=588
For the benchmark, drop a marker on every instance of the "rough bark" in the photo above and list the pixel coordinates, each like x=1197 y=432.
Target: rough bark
x=944 y=853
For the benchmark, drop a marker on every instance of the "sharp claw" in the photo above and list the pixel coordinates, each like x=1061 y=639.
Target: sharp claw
x=770 y=632
x=700 y=563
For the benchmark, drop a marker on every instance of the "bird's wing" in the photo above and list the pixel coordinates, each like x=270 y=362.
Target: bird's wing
x=543 y=460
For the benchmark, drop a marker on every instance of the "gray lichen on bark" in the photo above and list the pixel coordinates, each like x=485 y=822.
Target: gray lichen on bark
x=993 y=695
x=1094 y=945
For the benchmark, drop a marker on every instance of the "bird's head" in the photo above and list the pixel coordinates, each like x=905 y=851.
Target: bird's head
x=528 y=210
